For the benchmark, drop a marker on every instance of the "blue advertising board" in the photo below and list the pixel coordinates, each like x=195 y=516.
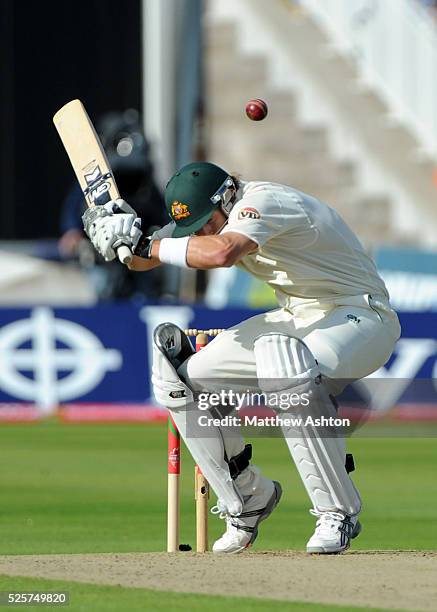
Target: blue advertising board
x=102 y=354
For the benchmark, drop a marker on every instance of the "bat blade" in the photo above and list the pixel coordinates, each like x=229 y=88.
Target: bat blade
x=88 y=159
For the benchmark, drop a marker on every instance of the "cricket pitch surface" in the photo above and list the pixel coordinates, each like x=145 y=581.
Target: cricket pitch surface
x=385 y=579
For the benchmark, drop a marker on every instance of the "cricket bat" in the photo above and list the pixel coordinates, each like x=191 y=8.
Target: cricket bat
x=89 y=160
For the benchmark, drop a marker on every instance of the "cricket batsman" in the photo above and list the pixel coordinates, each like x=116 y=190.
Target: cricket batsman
x=334 y=324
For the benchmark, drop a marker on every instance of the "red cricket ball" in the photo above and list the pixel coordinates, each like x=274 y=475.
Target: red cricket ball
x=256 y=109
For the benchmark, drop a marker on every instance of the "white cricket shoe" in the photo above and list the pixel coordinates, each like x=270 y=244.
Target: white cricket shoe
x=334 y=531
x=242 y=530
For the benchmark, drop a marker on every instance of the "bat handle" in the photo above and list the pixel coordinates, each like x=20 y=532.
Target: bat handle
x=124 y=254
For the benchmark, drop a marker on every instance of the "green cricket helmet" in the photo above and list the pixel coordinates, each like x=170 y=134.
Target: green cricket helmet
x=194 y=193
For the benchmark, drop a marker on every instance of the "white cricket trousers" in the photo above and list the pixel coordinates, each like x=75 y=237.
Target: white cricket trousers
x=350 y=337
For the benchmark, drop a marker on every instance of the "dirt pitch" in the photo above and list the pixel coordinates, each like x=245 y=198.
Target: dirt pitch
x=402 y=580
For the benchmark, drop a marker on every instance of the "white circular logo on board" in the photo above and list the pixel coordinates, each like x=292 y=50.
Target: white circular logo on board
x=47 y=360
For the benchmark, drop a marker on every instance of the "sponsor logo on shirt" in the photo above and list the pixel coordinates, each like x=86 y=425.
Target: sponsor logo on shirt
x=179 y=211
x=249 y=213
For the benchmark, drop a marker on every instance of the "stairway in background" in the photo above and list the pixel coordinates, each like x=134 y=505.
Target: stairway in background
x=280 y=148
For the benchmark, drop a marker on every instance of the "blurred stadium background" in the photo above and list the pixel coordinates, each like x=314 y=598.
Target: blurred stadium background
x=352 y=119
x=352 y=98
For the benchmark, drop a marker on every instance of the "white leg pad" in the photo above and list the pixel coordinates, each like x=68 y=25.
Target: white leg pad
x=209 y=454
x=285 y=364
x=321 y=467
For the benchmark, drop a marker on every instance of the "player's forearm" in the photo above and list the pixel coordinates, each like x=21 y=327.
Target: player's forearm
x=207 y=252
x=139 y=264
x=201 y=252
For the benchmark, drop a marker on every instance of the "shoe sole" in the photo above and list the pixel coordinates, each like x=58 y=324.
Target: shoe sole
x=356 y=530
x=271 y=505
x=320 y=550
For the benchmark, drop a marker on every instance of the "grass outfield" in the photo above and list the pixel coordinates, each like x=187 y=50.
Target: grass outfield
x=85 y=488
x=86 y=597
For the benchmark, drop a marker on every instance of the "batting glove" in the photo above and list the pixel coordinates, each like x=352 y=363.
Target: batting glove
x=112 y=225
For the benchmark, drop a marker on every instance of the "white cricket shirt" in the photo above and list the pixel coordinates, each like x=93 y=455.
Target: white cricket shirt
x=305 y=249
